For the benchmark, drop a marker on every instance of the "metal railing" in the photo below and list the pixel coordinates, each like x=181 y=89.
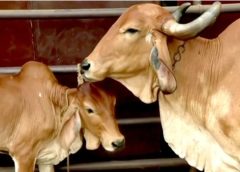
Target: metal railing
x=128 y=164
x=54 y=68
x=98 y=12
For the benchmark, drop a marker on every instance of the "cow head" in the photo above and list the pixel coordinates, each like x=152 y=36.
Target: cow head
x=97 y=111
x=123 y=53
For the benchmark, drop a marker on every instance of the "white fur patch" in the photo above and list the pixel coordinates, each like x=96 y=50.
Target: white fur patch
x=16 y=165
x=201 y=78
x=148 y=38
x=191 y=141
x=220 y=103
x=54 y=152
x=45 y=168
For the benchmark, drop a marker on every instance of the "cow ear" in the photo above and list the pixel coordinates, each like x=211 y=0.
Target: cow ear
x=161 y=62
x=165 y=76
x=92 y=142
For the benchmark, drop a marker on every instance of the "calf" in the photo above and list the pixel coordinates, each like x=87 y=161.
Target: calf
x=40 y=119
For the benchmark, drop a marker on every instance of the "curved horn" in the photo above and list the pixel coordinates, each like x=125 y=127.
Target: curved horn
x=189 y=30
x=177 y=14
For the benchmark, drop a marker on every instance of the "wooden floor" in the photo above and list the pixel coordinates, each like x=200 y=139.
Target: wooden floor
x=138 y=165
x=182 y=169
x=7 y=169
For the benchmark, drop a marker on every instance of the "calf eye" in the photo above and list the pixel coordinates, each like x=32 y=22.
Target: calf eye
x=131 y=30
x=89 y=110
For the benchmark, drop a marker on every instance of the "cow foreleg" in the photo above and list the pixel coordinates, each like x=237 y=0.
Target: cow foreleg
x=45 y=168
x=24 y=164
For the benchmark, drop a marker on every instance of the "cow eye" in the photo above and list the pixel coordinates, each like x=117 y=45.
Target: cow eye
x=89 y=110
x=131 y=30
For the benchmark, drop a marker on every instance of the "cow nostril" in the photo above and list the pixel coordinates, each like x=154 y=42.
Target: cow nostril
x=85 y=65
x=118 y=143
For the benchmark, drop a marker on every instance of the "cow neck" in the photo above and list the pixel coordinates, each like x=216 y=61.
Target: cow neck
x=145 y=85
x=176 y=48
x=196 y=72
x=59 y=95
x=185 y=114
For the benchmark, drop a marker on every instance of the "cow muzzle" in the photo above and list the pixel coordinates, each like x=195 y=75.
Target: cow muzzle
x=84 y=70
x=85 y=66
x=91 y=71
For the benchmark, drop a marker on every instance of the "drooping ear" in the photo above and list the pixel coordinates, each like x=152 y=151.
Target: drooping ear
x=92 y=142
x=161 y=62
x=70 y=133
x=68 y=105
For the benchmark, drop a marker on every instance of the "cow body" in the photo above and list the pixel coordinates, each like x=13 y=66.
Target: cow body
x=41 y=119
x=203 y=112
x=197 y=81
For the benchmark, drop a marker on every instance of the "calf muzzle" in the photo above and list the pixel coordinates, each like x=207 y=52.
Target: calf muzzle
x=118 y=143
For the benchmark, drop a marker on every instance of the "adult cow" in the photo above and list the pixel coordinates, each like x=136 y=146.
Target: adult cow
x=41 y=119
x=197 y=79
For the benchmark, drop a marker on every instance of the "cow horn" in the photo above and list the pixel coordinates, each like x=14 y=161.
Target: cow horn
x=189 y=30
x=177 y=14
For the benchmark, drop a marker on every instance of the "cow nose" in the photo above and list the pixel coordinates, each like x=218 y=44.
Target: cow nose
x=118 y=143
x=85 y=65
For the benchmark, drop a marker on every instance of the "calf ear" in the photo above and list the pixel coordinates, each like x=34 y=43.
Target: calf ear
x=70 y=132
x=92 y=142
x=165 y=76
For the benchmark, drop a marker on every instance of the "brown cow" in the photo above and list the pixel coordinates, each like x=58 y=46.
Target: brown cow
x=41 y=119
x=198 y=79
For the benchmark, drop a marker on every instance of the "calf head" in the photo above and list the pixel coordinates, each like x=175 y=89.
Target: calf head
x=88 y=108
x=123 y=53
x=97 y=112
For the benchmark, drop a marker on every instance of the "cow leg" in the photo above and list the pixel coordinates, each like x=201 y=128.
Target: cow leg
x=24 y=164
x=45 y=168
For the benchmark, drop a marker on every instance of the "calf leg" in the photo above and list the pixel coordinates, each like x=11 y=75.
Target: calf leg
x=45 y=168
x=24 y=164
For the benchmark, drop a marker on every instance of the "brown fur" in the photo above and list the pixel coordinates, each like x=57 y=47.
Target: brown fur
x=200 y=119
x=40 y=117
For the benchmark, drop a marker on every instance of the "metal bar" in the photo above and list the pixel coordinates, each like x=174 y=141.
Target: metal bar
x=54 y=68
x=131 y=121
x=197 y=2
x=226 y=8
x=100 y=12
x=63 y=68
x=60 y=13
x=128 y=164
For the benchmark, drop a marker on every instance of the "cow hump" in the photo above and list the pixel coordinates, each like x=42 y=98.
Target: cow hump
x=36 y=70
